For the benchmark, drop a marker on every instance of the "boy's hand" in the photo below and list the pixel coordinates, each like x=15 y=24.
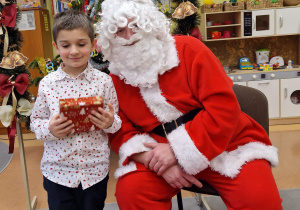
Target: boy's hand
x=101 y=118
x=60 y=127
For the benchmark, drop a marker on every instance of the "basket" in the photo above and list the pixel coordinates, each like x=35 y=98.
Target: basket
x=269 y=3
x=237 y=6
x=208 y=9
x=257 y=4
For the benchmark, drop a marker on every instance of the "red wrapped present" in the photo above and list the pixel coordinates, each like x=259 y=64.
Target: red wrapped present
x=78 y=109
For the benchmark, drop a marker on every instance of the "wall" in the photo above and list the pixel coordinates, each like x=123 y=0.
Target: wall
x=229 y=52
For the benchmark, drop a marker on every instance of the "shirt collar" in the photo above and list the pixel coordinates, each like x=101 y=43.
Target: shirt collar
x=87 y=73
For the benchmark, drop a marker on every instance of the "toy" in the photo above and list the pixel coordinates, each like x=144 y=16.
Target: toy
x=264 y=67
x=277 y=62
x=244 y=64
x=262 y=56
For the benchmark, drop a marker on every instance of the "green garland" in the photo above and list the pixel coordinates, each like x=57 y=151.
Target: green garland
x=44 y=66
x=76 y=5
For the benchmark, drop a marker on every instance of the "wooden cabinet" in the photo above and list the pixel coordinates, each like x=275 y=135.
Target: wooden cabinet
x=38 y=42
x=271 y=90
x=288 y=20
x=235 y=26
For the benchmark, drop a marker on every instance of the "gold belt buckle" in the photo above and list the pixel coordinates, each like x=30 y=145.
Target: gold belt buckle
x=165 y=129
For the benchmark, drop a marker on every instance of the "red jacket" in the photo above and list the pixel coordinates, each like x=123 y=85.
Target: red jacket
x=220 y=136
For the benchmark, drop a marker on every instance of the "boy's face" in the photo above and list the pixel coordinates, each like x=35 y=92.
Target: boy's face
x=74 y=47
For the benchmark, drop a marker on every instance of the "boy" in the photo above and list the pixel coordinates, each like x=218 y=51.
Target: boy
x=75 y=166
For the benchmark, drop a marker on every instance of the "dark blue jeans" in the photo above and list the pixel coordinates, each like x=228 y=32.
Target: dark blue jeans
x=65 y=198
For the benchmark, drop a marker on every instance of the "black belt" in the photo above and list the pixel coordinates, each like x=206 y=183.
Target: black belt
x=166 y=128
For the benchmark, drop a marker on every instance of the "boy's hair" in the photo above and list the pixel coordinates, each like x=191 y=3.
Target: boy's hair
x=73 y=19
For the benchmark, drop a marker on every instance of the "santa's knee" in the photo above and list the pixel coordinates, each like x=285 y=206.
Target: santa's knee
x=127 y=187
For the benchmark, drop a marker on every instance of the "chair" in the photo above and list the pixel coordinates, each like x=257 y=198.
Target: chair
x=255 y=104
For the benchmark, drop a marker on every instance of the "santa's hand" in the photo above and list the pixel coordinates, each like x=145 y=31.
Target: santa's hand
x=177 y=178
x=160 y=157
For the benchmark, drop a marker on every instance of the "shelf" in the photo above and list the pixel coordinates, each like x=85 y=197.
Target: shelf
x=218 y=26
x=278 y=25
x=235 y=28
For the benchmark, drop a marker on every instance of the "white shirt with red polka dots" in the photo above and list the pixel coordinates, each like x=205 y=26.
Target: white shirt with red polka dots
x=79 y=157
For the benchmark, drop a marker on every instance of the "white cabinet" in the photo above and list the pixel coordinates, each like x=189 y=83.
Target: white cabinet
x=290 y=97
x=271 y=90
x=240 y=83
x=288 y=20
x=259 y=22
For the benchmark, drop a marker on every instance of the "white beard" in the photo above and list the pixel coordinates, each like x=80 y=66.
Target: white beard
x=141 y=63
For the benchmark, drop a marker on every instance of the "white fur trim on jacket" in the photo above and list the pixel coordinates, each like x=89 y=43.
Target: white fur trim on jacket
x=230 y=163
x=189 y=157
x=132 y=146
x=158 y=105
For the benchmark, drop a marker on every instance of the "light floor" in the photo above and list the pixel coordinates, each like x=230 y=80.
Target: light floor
x=12 y=191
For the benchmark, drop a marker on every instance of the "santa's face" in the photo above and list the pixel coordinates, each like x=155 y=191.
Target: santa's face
x=139 y=56
x=127 y=32
x=125 y=36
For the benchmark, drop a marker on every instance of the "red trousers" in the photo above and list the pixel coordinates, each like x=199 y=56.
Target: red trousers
x=254 y=188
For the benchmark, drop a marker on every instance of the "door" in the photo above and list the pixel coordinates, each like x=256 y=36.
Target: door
x=271 y=90
x=263 y=22
x=288 y=20
x=290 y=97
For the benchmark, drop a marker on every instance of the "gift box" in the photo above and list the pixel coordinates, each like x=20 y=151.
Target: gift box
x=78 y=109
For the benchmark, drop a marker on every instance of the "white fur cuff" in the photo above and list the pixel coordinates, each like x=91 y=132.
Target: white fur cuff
x=187 y=154
x=230 y=163
x=125 y=169
x=132 y=146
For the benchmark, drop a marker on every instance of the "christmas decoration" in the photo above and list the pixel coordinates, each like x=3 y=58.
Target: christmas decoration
x=66 y=1
x=14 y=77
x=44 y=67
x=97 y=62
x=77 y=5
x=185 y=17
x=184 y=9
x=186 y=25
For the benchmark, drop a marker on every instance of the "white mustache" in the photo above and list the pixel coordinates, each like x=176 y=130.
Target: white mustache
x=127 y=42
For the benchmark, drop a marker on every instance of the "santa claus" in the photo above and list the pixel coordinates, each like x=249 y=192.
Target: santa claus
x=181 y=120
